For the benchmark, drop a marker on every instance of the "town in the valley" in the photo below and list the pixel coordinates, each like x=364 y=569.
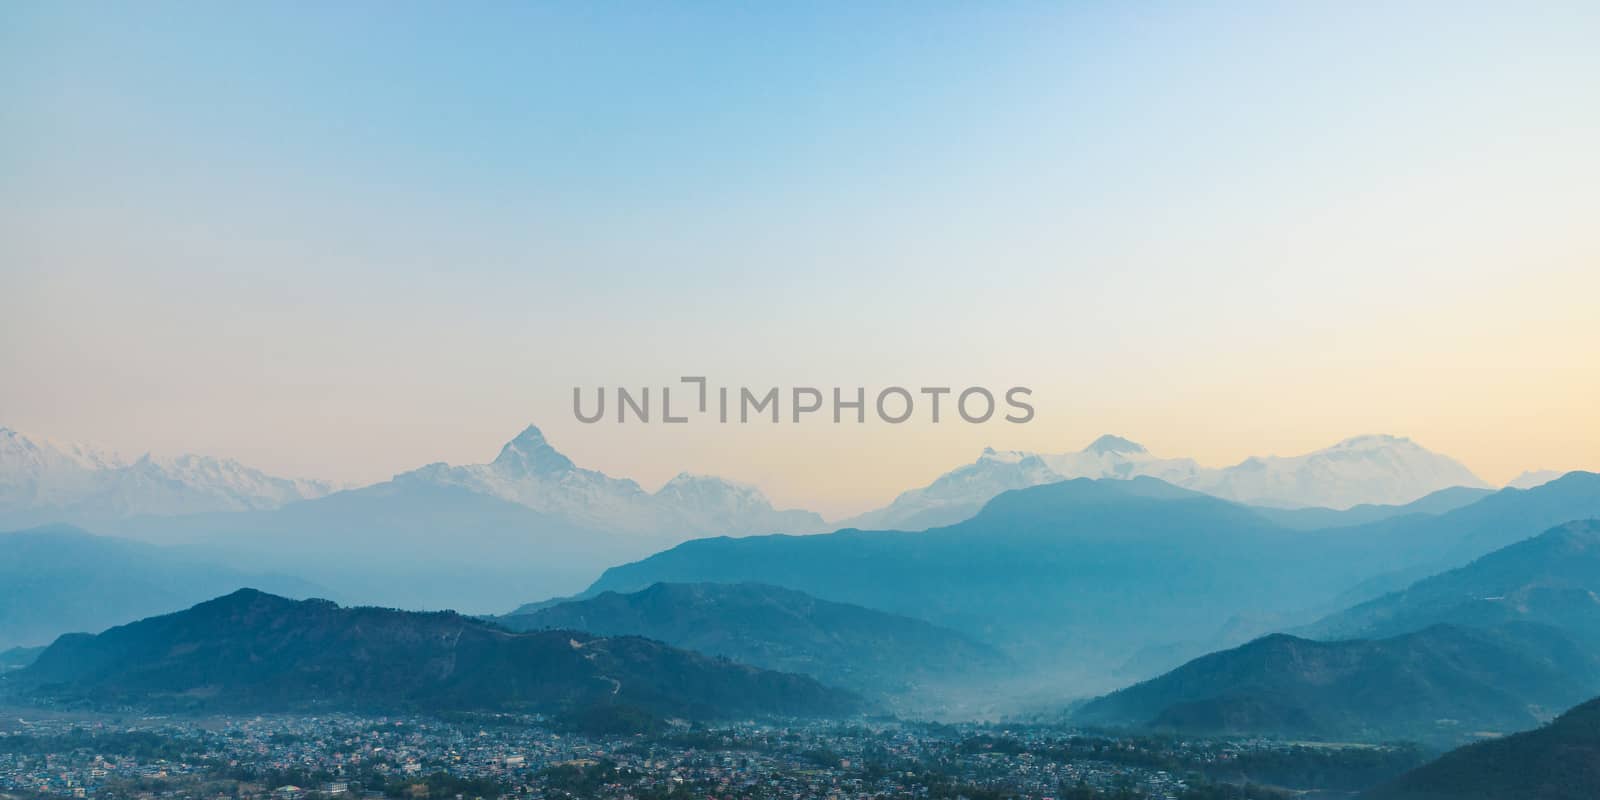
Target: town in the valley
x=487 y=756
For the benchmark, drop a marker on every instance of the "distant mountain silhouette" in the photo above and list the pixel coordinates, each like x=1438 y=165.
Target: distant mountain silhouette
x=782 y=629
x=407 y=543
x=1101 y=569
x=481 y=538
x=251 y=651
x=1451 y=539
x=1440 y=684
x=1552 y=578
x=1560 y=761
x=60 y=579
x=1308 y=519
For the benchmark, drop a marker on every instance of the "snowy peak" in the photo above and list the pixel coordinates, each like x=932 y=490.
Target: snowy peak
x=689 y=483
x=1374 y=468
x=531 y=453
x=1002 y=456
x=1108 y=444
x=46 y=481
x=1373 y=441
x=529 y=471
x=707 y=502
x=692 y=491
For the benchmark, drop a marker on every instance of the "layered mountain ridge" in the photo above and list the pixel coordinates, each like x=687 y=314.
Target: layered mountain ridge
x=1099 y=569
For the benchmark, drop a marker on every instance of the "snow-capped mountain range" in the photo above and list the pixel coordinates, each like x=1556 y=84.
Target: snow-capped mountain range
x=1384 y=470
x=41 y=482
x=530 y=472
x=44 y=481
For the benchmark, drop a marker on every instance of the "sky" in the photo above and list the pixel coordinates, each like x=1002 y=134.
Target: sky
x=347 y=240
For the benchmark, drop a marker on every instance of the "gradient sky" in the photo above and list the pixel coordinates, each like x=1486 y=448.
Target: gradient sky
x=343 y=242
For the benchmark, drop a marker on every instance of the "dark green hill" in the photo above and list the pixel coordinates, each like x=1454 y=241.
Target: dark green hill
x=782 y=629
x=251 y=651
x=1440 y=684
x=1560 y=761
x=1552 y=578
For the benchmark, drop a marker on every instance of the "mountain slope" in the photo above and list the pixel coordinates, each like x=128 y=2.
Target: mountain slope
x=1434 y=543
x=781 y=629
x=1552 y=578
x=1560 y=761
x=1095 y=566
x=60 y=579
x=250 y=651
x=1442 y=683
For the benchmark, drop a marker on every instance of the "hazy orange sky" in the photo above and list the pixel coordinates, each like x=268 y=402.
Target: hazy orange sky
x=350 y=248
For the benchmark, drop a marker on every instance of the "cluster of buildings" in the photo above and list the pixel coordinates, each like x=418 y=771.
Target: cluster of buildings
x=420 y=758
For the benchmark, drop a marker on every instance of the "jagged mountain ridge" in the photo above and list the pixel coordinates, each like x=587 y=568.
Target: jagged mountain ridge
x=1362 y=470
x=41 y=481
x=529 y=471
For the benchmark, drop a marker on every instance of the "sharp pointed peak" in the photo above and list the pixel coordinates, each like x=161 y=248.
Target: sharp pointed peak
x=530 y=434
x=530 y=451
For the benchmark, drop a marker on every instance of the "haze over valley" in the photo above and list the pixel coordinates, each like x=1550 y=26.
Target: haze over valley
x=1098 y=589
x=799 y=401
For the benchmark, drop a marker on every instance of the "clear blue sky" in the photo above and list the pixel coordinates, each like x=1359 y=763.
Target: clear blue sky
x=348 y=240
